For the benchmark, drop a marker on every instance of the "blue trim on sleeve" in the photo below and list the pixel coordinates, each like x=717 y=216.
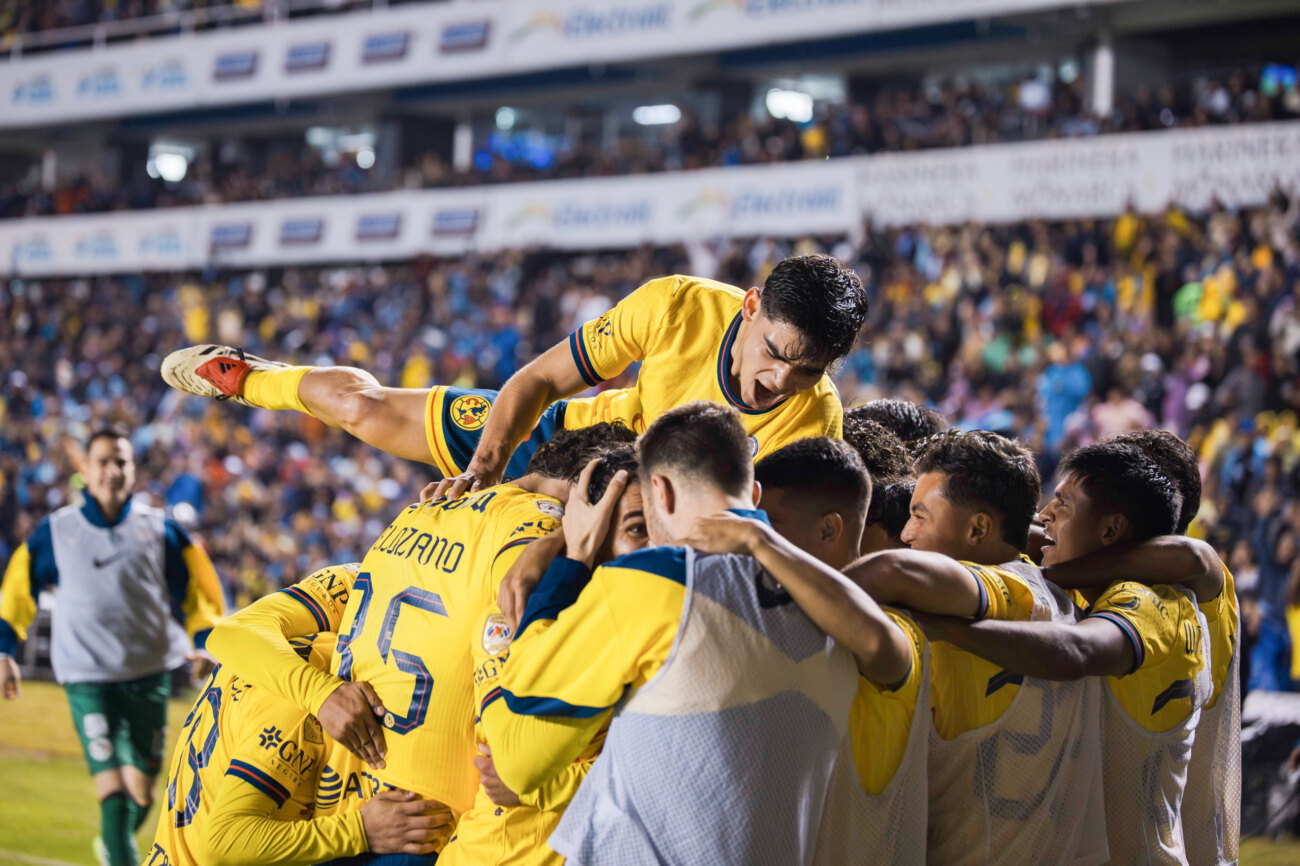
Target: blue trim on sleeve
x=201 y=638
x=582 y=360
x=559 y=588
x=550 y=707
x=259 y=780
x=177 y=574
x=8 y=639
x=984 y=594
x=669 y=562
x=1130 y=631
x=304 y=598
x=40 y=547
x=752 y=513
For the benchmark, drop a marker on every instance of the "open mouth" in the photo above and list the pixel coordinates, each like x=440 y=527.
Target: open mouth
x=763 y=397
x=1048 y=541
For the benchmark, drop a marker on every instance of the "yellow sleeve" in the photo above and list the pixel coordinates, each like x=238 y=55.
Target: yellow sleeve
x=558 y=792
x=880 y=719
x=1003 y=593
x=1145 y=619
x=560 y=685
x=240 y=828
x=605 y=346
x=254 y=643
x=17 y=605
x=204 y=605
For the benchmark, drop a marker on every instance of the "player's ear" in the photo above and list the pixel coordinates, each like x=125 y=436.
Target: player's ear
x=664 y=494
x=980 y=528
x=1114 y=527
x=832 y=526
x=757 y=493
x=750 y=305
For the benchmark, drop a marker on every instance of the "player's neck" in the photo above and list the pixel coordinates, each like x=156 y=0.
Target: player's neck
x=994 y=553
x=540 y=484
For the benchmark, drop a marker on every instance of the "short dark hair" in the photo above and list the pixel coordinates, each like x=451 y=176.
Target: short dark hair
x=622 y=457
x=1178 y=462
x=823 y=470
x=703 y=441
x=568 y=452
x=891 y=507
x=108 y=431
x=1119 y=477
x=882 y=452
x=823 y=299
x=989 y=471
x=910 y=422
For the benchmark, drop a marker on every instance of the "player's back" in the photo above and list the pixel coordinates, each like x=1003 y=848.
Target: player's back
x=1014 y=763
x=238 y=730
x=409 y=623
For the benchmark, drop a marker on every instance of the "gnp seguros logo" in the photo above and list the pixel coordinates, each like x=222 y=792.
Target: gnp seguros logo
x=596 y=22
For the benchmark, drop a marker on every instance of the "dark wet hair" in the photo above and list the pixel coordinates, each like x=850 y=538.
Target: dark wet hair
x=622 y=457
x=568 y=452
x=1120 y=477
x=823 y=299
x=826 y=472
x=891 y=507
x=703 y=441
x=1177 y=461
x=910 y=422
x=882 y=452
x=988 y=471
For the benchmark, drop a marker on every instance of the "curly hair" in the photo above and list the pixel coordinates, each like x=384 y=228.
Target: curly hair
x=882 y=452
x=823 y=299
x=621 y=457
x=910 y=422
x=989 y=471
x=568 y=452
x=1177 y=461
x=1120 y=477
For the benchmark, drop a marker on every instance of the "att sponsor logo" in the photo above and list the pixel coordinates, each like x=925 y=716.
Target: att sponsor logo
x=101 y=84
x=38 y=90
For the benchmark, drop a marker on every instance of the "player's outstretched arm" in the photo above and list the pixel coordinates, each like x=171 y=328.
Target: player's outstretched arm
x=551 y=376
x=837 y=605
x=921 y=581
x=1164 y=559
x=1094 y=647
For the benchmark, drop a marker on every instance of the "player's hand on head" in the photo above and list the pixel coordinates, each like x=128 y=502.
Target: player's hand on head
x=351 y=715
x=587 y=523
x=496 y=790
x=11 y=679
x=525 y=574
x=724 y=533
x=399 y=822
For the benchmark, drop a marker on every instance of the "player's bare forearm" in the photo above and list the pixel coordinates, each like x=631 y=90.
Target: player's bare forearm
x=1045 y=650
x=1164 y=559
x=519 y=405
x=839 y=607
x=929 y=582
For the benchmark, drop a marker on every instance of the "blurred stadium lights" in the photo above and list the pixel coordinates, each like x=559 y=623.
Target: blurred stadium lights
x=170 y=162
x=657 y=115
x=789 y=105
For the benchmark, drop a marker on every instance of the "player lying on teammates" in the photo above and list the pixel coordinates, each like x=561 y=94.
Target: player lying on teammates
x=709 y=659
x=764 y=351
x=1012 y=777
x=882 y=809
x=1147 y=642
x=243 y=780
x=408 y=625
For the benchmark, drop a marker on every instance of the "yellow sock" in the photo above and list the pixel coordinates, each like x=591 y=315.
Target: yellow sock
x=276 y=389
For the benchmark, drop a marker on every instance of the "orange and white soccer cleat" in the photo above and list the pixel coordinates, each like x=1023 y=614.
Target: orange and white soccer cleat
x=213 y=371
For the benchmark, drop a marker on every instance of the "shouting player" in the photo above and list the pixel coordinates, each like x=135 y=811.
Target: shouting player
x=1148 y=643
x=763 y=351
x=733 y=703
x=243 y=782
x=1013 y=764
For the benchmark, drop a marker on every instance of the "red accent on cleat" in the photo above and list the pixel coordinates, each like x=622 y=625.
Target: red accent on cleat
x=227 y=375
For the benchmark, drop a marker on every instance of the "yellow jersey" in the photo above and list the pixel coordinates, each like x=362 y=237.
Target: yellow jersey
x=1223 y=618
x=243 y=780
x=880 y=720
x=683 y=329
x=409 y=624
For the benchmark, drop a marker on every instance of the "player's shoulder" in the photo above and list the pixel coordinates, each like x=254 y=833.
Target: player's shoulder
x=667 y=562
x=515 y=503
x=908 y=625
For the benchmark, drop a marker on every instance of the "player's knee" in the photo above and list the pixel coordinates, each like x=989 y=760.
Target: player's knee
x=362 y=406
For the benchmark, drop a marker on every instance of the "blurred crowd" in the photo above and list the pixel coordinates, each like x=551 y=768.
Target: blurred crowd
x=951 y=114
x=1058 y=333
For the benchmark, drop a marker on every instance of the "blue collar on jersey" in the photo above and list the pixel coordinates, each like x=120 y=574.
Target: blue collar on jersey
x=96 y=516
x=752 y=513
x=724 y=373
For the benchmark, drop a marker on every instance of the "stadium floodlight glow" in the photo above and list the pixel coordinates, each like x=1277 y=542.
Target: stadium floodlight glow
x=789 y=105
x=169 y=166
x=506 y=118
x=657 y=115
x=365 y=158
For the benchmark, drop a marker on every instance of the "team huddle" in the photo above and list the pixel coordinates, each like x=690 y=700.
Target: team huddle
x=716 y=618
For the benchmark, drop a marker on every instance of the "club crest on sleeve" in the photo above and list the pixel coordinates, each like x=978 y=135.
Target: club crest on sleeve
x=550 y=509
x=470 y=411
x=496 y=634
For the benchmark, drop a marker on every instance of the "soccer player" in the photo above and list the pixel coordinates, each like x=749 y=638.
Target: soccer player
x=764 y=351
x=1013 y=763
x=816 y=492
x=891 y=469
x=1212 y=799
x=733 y=703
x=407 y=623
x=1148 y=643
x=887 y=517
x=243 y=782
x=911 y=422
x=130 y=584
